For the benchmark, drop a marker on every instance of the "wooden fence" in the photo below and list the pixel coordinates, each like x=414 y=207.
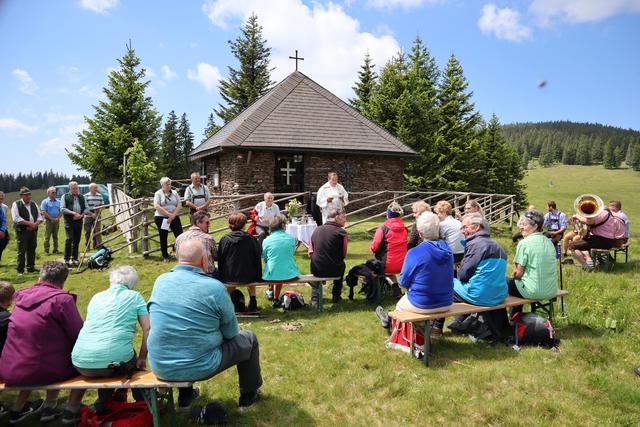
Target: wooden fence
x=135 y=223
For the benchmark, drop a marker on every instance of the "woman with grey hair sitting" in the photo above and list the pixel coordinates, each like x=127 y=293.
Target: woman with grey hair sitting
x=534 y=274
x=278 y=252
x=104 y=347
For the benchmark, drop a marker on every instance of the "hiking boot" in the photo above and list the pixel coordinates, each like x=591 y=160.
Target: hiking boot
x=212 y=414
x=383 y=316
x=248 y=399
x=253 y=305
x=276 y=303
x=567 y=261
x=74 y=263
x=69 y=417
x=49 y=414
x=29 y=409
x=185 y=402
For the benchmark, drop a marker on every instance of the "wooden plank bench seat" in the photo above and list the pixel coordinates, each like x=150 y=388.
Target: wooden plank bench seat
x=460 y=308
x=607 y=257
x=140 y=380
x=304 y=279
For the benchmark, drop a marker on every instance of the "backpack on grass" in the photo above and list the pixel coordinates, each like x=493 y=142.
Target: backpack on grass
x=400 y=338
x=118 y=413
x=292 y=300
x=100 y=259
x=533 y=329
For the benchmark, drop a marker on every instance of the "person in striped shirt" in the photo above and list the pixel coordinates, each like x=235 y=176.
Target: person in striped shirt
x=94 y=200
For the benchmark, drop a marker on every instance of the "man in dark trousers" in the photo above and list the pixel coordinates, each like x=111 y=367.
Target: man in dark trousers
x=26 y=219
x=327 y=250
x=74 y=208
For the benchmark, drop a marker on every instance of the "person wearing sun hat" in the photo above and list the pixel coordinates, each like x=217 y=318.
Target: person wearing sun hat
x=26 y=219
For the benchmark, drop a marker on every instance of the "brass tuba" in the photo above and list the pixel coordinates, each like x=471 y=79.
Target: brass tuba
x=588 y=205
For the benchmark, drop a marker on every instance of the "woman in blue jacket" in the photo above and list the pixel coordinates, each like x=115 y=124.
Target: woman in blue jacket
x=278 y=252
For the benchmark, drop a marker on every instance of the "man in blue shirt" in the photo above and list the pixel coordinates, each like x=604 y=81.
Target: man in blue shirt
x=194 y=331
x=51 y=211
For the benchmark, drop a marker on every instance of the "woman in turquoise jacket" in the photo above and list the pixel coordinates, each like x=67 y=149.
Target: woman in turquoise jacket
x=278 y=252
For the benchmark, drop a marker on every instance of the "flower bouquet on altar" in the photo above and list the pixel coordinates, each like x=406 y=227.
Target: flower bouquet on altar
x=293 y=208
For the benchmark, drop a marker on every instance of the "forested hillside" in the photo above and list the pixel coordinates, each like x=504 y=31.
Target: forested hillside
x=575 y=143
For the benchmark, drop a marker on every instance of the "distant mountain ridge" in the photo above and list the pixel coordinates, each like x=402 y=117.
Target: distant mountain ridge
x=575 y=143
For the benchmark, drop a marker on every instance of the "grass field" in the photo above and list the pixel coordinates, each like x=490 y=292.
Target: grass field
x=335 y=370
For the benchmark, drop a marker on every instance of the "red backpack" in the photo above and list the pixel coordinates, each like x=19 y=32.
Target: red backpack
x=118 y=414
x=400 y=338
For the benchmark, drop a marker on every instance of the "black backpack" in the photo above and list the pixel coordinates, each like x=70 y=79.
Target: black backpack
x=533 y=329
x=237 y=298
x=100 y=259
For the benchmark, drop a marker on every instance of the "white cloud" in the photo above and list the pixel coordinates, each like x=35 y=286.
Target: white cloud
x=16 y=127
x=207 y=75
x=98 y=6
x=27 y=85
x=332 y=42
x=503 y=23
x=405 y=4
x=64 y=140
x=545 y=11
x=89 y=92
x=167 y=73
x=149 y=72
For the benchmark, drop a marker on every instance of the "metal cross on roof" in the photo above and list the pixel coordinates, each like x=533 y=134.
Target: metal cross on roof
x=297 y=58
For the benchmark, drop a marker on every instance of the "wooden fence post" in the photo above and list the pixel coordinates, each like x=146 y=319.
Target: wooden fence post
x=134 y=229
x=511 y=212
x=145 y=229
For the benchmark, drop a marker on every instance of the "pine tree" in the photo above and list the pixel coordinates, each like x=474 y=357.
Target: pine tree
x=141 y=171
x=525 y=157
x=618 y=156
x=608 y=160
x=185 y=145
x=170 y=164
x=460 y=162
x=569 y=154
x=126 y=115
x=583 y=156
x=545 y=159
x=633 y=156
x=417 y=114
x=253 y=78
x=382 y=107
x=367 y=80
x=211 y=129
x=504 y=165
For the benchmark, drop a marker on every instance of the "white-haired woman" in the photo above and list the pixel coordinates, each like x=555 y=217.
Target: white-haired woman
x=104 y=347
x=167 y=203
x=427 y=273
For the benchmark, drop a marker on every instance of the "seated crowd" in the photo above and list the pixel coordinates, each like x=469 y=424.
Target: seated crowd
x=447 y=257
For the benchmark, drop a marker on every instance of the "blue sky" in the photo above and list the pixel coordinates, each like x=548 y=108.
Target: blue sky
x=56 y=56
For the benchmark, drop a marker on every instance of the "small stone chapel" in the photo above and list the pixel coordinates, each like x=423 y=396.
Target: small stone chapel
x=289 y=139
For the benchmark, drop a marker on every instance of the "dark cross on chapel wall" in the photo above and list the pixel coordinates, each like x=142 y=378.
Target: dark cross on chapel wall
x=297 y=58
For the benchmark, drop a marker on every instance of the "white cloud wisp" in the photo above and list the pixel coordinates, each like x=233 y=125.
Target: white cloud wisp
x=503 y=23
x=28 y=86
x=207 y=75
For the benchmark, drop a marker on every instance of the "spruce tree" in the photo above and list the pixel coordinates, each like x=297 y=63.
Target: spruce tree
x=608 y=160
x=211 y=129
x=185 y=145
x=253 y=77
x=618 y=156
x=170 y=164
x=141 y=171
x=505 y=172
x=367 y=80
x=633 y=156
x=545 y=159
x=460 y=162
x=417 y=114
x=126 y=115
x=526 y=157
x=583 y=156
x=382 y=107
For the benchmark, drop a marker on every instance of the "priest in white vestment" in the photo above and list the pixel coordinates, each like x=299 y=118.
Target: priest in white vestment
x=331 y=195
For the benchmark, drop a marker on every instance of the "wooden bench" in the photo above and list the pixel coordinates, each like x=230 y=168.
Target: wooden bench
x=302 y=279
x=460 y=308
x=144 y=380
x=607 y=257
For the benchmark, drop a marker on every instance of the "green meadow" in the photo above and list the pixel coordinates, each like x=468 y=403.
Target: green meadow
x=332 y=369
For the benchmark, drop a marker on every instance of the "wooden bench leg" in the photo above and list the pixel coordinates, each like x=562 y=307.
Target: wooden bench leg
x=427 y=342
x=151 y=399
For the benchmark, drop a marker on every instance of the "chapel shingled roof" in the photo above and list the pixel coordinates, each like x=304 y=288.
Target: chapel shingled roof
x=299 y=114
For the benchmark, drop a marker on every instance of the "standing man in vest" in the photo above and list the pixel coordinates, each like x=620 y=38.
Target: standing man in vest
x=26 y=219
x=50 y=209
x=196 y=196
x=93 y=200
x=327 y=250
x=74 y=207
x=331 y=195
x=555 y=222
